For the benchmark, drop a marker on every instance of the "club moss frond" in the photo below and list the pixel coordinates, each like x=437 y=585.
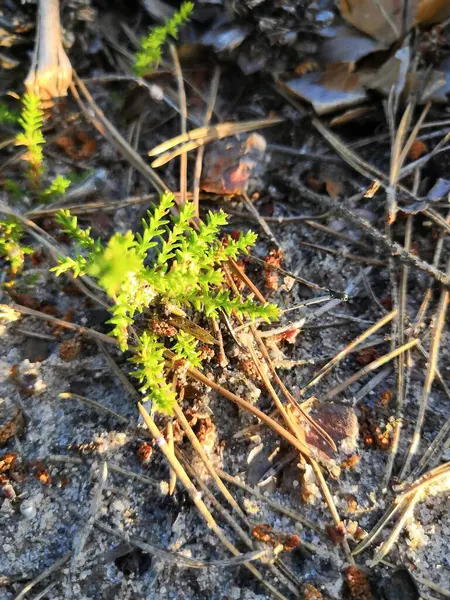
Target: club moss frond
x=11 y=233
x=149 y=55
x=31 y=121
x=184 y=272
x=184 y=349
x=56 y=189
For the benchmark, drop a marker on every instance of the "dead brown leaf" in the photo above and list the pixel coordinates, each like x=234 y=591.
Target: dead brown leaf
x=382 y=19
x=433 y=11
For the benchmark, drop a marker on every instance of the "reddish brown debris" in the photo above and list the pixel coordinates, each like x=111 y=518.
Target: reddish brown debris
x=70 y=349
x=78 y=145
x=366 y=356
x=385 y=398
x=144 y=453
x=11 y=427
x=350 y=462
x=7 y=461
x=247 y=365
x=264 y=533
x=336 y=534
x=358 y=584
x=162 y=328
x=311 y=593
x=273 y=259
x=25 y=300
x=417 y=150
x=41 y=473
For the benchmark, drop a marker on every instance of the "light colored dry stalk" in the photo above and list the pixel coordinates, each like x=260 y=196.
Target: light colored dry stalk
x=402 y=360
x=407 y=507
x=439 y=323
x=96 y=117
x=348 y=349
x=375 y=364
x=207 y=462
x=183 y=109
x=203 y=135
x=196 y=497
x=236 y=527
x=170 y=441
x=51 y=72
x=201 y=151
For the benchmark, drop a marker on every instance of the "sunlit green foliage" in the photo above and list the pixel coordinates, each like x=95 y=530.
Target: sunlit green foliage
x=184 y=272
x=150 y=51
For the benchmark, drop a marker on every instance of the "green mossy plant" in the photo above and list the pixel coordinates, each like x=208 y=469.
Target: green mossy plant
x=170 y=264
x=11 y=233
x=149 y=55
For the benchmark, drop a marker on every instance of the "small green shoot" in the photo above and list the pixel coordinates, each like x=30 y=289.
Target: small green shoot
x=7 y=116
x=56 y=189
x=11 y=232
x=31 y=121
x=182 y=272
x=149 y=55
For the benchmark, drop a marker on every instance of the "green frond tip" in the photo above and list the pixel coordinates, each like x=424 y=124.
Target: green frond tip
x=150 y=51
x=56 y=189
x=11 y=233
x=184 y=349
x=149 y=356
x=31 y=121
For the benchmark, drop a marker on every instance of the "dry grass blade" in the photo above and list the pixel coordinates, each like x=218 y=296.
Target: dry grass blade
x=207 y=462
x=204 y=135
x=396 y=152
x=238 y=530
x=348 y=349
x=196 y=497
x=346 y=255
x=443 y=433
x=396 y=250
x=373 y=535
x=170 y=441
x=96 y=117
x=433 y=476
x=274 y=505
x=301 y=280
x=407 y=507
x=66 y=324
x=287 y=394
x=262 y=223
x=276 y=427
x=183 y=108
x=439 y=323
x=332 y=507
x=96 y=405
x=58 y=564
x=375 y=364
x=402 y=360
x=199 y=158
x=371 y=385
